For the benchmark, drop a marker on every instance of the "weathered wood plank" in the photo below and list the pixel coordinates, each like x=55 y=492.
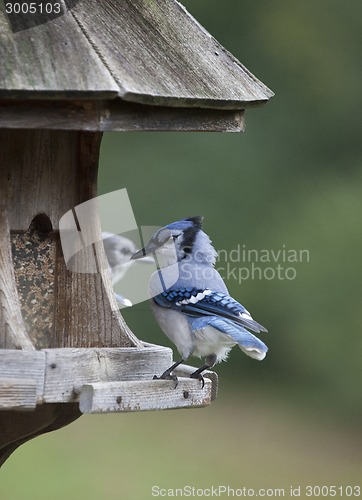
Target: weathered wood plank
x=41 y=162
x=160 y=55
x=119 y=115
x=18 y=394
x=186 y=370
x=19 y=364
x=116 y=115
x=47 y=173
x=25 y=18
x=45 y=114
x=152 y=52
x=61 y=168
x=66 y=368
x=12 y=329
x=143 y=395
x=59 y=374
x=54 y=59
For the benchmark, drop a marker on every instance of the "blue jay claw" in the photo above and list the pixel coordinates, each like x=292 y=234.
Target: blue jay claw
x=198 y=376
x=167 y=376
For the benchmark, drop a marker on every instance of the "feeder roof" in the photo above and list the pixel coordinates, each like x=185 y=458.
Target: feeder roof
x=143 y=51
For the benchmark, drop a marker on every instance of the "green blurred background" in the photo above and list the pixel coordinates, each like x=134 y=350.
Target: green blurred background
x=294 y=178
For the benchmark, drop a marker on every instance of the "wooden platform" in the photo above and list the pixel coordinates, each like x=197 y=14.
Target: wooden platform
x=101 y=380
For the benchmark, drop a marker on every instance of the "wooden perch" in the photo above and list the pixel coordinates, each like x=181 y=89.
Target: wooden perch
x=139 y=395
x=97 y=379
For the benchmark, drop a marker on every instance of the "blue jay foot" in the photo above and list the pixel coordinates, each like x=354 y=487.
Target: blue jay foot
x=167 y=375
x=198 y=376
x=210 y=361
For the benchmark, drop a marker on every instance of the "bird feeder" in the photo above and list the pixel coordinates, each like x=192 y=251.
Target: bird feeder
x=67 y=76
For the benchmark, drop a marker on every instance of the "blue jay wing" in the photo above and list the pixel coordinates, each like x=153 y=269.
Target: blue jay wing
x=247 y=342
x=198 y=303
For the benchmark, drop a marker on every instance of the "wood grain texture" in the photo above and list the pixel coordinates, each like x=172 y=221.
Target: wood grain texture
x=43 y=174
x=186 y=370
x=17 y=394
x=12 y=329
x=114 y=397
x=22 y=364
x=160 y=55
x=51 y=172
x=50 y=114
x=51 y=60
x=116 y=115
x=147 y=51
x=66 y=368
x=59 y=375
x=38 y=170
x=119 y=115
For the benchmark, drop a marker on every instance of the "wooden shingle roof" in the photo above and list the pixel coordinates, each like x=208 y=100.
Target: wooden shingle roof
x=142 y=51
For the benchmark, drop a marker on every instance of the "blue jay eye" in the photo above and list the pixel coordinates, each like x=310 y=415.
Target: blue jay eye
x=175 y=236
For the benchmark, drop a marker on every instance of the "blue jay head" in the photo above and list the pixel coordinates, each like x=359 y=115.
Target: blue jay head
x=178 y=240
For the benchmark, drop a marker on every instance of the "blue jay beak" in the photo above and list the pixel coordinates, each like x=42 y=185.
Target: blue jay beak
x=156 y=242
x=150 y=248
x=143 y=259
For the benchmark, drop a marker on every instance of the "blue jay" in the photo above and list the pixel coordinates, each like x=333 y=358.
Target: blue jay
x=119 y=250
x=190 y=300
